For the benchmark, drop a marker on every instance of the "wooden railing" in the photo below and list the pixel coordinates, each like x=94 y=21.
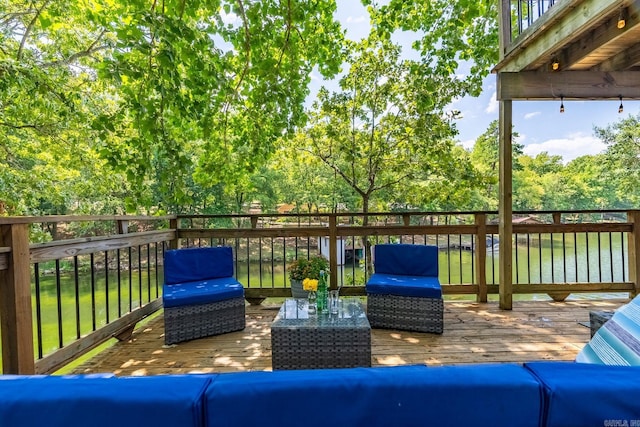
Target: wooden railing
x=61 y=298
x=522 y=16
x=555 y=253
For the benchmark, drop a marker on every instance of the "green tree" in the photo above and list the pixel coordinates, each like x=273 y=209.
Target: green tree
x=373 y=134
x=623 y=156
x=49 y=96
x=485 y=157
x=451 y=36
x=376 y=134
x=171 y=94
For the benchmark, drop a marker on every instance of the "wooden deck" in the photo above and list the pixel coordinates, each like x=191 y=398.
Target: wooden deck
x=473 y=333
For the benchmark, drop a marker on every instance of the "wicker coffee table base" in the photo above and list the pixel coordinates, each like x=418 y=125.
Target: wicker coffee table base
x=203 y=320
x=405 y=313
x=320 y=348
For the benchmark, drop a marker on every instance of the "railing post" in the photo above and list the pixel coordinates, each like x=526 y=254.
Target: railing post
x=505 y=206
x=16 y=321
x=333 y=252
x=634 y=251
x=123 y=226
x=173 y=225
x=481 y=257
x=504 y=22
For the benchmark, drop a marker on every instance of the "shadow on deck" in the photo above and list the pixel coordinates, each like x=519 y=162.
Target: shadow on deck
x=473 y=333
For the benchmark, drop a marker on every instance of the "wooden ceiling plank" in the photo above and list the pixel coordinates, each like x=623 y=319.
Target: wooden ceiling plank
x=597 y=39
x=622 y=61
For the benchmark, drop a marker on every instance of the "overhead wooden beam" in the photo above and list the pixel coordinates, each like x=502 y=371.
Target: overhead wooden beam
x=568 y=84
x=550 y=36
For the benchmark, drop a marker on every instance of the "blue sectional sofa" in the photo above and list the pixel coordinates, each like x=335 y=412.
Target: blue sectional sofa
x=537 y=394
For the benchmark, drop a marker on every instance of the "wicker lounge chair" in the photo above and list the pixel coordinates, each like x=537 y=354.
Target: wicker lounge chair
x=405 y=293
x=200 y=295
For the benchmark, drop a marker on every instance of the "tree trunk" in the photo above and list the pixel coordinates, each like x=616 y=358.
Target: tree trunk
x=366 y=243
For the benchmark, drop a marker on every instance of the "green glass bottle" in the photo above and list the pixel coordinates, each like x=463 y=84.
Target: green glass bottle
x=323 y=293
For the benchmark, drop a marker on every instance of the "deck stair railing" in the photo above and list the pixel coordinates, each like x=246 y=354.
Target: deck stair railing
x=94 y=278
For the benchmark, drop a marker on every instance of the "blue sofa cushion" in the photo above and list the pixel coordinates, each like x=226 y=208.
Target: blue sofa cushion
x=407 y=260
x=408 y=286
x=201 y=292
x=383 y=396
x=193 y=264
x=617 y=342
x=580 y=394
x=157 y=401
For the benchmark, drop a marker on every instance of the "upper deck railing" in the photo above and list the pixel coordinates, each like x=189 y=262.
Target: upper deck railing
x=523 y=16
x=101 y=275
x=528 y=11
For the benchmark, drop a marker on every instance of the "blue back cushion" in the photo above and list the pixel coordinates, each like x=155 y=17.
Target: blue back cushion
x=580 y=394
x=156 y=401
x=384 y=396
x=617 y=342
x=408 y=260
x=194 y=264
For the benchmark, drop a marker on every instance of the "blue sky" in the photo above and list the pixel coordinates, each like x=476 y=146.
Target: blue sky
x=540 y=124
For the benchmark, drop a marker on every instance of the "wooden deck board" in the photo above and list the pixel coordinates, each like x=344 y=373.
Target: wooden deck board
x=473 y=333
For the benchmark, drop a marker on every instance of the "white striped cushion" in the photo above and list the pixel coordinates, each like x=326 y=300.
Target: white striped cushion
x=617 y=342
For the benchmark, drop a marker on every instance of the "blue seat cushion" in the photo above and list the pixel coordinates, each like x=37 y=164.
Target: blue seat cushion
x=154 y=401
x=617 y=342
x=192 y=264
x=382 y=396
x=201 y=292
x=581 y=394
x=407 y=286
x=407 y=260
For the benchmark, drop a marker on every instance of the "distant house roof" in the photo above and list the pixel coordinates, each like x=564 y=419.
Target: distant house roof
x=527 y=220
x=521 y=220
x=285 y=208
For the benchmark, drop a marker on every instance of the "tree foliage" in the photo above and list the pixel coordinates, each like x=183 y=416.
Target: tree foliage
x=375 y=134
x=166 y=92
x=109 y=106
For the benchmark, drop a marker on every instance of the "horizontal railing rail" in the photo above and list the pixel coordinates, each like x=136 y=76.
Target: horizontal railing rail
x=99 y=276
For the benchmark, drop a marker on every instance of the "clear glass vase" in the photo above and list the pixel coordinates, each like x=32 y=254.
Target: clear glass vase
x=313 y=297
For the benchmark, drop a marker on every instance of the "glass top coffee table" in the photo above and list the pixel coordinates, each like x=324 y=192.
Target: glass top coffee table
x=300 y=340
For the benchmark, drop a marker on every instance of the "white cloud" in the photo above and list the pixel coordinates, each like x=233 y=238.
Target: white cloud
x=357 y=20
x=532 y=115
x=229 y=18
x=492 y=106
x=468 y=144
x=575 y=145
